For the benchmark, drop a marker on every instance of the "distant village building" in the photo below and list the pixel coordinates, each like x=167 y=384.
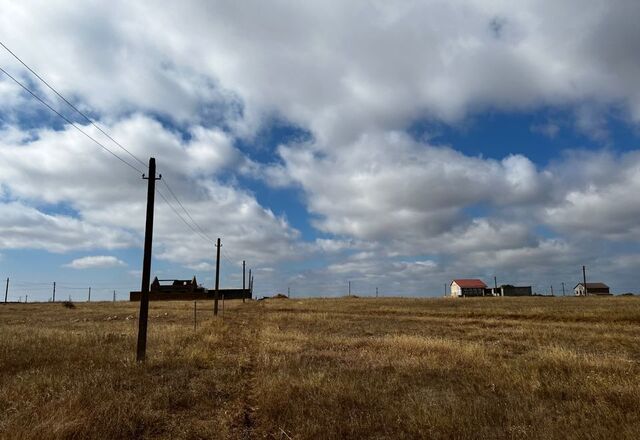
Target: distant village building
x=475 y=287
x=187 y=290
x=509 y=290
x=467 y=287
x=592 y=289
x=176 y=286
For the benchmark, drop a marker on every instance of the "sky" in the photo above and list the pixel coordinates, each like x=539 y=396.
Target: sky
x=396 y=145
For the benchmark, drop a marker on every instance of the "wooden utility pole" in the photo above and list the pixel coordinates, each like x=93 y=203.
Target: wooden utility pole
x=250 y=284
x=288 y=292
x=563 y=289
x=54 y=292
x=584 y=280
x=243 y=279
x=6 y=291
x=89 y=297
x=552 y=290
x=114 y=296
x=495 y=282
x=217 y=286
x=146 y=262
x=376 y=292
x=349 y=288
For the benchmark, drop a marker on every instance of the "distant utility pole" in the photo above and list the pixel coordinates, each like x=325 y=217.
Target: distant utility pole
x=243 y=279
x=26 y=299
x=495 y=282
x=6 y=291
x=250 y=284
x=54 y=292
x=114 y=296
x=141 y=349
x=552 y=290
x=89 y=297
x=288 y=292
x=376 y=292
x=563 y=289
x=349 y=288
x=584 y=280
x=445 y=289
x=217 y=287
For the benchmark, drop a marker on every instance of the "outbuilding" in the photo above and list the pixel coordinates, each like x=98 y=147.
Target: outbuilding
x=592 y=289
x=467 y=287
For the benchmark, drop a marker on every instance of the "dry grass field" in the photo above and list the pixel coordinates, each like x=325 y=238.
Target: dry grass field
x=495 y=368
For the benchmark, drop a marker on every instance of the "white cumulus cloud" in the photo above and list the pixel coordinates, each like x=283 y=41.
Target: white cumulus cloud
x=96 y=262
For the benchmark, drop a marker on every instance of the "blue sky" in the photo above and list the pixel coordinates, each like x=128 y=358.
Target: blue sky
x=394 y=145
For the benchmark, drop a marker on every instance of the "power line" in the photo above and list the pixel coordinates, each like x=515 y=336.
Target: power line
x=89 y=120
x=180 y=216
x=202 y=232
x=69 y=121
x=199 y=230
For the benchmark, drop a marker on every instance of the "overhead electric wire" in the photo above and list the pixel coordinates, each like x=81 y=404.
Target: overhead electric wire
x=230 y=260
x=69 y=121
x=89 y=120
x=200 y=231
x=180 y=216
x=187 y=212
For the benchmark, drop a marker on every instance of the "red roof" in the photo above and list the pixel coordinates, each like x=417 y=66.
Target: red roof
x=471 y=284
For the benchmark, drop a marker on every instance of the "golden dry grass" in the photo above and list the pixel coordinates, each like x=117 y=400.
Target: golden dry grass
x=515 y=368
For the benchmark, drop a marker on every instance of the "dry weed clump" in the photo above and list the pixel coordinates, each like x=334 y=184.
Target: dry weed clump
x=512 y=368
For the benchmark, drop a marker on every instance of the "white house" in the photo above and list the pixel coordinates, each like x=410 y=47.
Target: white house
x=467 y=287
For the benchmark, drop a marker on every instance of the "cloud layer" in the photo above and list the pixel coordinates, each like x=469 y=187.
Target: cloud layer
x=195 y=83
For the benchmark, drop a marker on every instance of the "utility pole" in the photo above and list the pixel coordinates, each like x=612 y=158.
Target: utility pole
x=288 y=292
x=89 y=297
x=552 y=290
x=563 y=289
x=26 y=299
x=376 y=292
x=250 y=284
x=114 y=296
x=54 y=292
x=349 y=288
x=141 y=350
x=495 y=282
x=217 y=287
x=6 y=291
x=243 y=279
x=445 y=289
x=584 y=280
